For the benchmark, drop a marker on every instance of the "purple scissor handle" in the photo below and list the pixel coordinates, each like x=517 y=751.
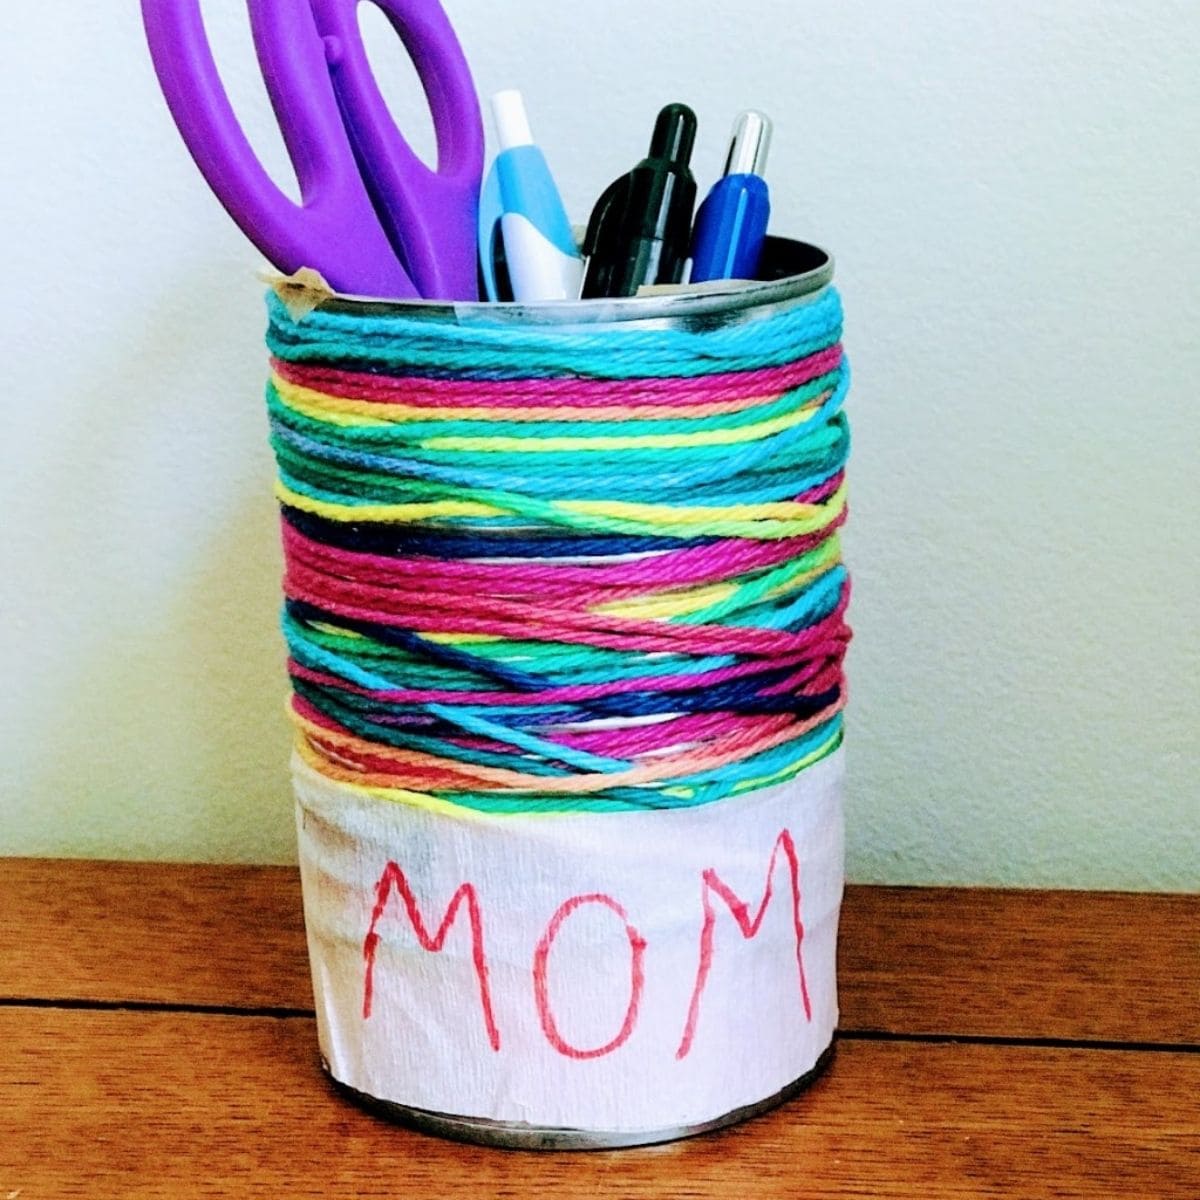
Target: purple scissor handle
x=373 y=218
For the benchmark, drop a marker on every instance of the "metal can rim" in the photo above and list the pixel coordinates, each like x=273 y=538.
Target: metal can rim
x=792 y=270
x=509 y=1135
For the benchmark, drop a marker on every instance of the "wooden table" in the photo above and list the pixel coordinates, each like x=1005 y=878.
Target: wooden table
x=158 y=1041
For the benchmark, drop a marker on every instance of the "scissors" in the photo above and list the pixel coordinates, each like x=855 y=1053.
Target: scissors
x=373 y=219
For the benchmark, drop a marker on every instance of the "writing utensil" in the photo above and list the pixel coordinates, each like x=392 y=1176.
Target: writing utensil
x=521 y=205
x=373 y=219
x=640 y=228
x=732 y=222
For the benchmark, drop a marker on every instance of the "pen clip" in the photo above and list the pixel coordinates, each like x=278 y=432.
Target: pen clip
x=603 y=226
x=611 y=199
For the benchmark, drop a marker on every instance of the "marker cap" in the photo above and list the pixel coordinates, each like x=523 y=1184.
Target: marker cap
x=674 y=134
x=512 y=124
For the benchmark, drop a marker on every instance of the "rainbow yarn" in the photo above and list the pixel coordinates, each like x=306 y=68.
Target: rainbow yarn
x=548 y=568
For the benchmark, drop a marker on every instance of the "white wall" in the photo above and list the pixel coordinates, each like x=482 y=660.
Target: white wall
x=1010 y=190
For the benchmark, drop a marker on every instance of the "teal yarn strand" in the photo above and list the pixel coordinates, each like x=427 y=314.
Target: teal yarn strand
x=396 y=344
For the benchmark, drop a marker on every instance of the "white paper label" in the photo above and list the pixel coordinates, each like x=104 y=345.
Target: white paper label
x=612 y=972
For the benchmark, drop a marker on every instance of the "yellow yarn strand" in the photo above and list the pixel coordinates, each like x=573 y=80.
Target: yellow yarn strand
x=787 y=518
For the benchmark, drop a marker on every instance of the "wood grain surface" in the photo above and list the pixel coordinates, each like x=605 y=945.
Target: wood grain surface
x=130 y=1105
x=156 y=1041
x=152 y=932
x=1076 y=965
x=1098 y=966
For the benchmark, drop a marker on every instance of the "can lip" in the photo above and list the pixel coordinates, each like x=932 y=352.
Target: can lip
x=791 y=269
x=509 y=1135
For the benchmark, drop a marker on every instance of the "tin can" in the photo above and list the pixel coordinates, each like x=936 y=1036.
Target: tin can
x=583 y=980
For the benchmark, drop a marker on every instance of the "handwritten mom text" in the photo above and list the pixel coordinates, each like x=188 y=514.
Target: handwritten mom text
x=465 y=903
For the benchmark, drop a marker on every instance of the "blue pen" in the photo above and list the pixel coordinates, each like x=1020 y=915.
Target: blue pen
x=731 y=225
x=521 y=206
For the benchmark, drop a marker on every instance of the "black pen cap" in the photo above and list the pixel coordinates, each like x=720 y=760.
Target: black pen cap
x=674 y=134
x=640 y=229
x=662 y=190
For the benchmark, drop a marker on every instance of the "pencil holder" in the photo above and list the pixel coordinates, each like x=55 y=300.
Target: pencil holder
x=565 y=620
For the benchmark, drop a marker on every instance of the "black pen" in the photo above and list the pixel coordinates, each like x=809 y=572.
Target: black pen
x=640 y=229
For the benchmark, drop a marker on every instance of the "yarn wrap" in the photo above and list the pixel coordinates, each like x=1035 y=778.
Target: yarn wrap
x=540 y=569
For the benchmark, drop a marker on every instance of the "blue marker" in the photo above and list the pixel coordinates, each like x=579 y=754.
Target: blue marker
x=727 y=240
x=522 y=206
